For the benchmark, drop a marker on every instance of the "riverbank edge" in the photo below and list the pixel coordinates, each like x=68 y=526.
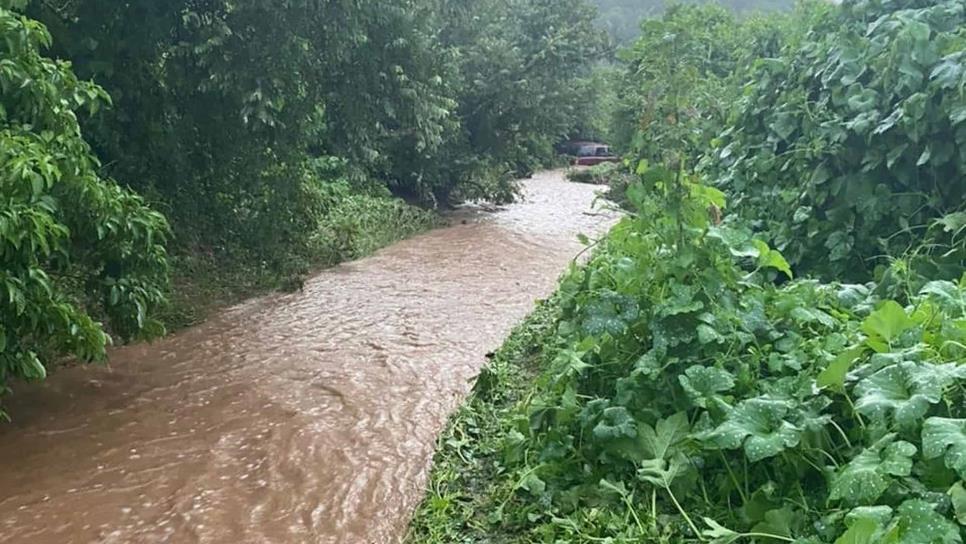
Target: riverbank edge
x=202 y=283
x=467 y=485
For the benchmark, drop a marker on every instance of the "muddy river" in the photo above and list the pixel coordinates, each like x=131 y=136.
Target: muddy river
x=306 y=417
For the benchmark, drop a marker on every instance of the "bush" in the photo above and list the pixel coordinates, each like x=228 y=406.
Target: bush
x=694 y=390
x=361 y=224
x=686 y=396
x=71 y=243
x=682 y=76
x=747 y=409
x=847 y=147
x=346 y=225
x=599 y=174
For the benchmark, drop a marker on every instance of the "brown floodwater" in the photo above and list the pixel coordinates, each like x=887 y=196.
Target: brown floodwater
x=306 y=417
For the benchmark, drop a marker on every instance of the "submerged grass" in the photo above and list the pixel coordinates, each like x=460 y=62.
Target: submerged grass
x=468 y=488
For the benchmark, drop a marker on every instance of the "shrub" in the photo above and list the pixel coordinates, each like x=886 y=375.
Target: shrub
x=690 y=397
x=599 y=174
x=71 y=242
x=847 y=146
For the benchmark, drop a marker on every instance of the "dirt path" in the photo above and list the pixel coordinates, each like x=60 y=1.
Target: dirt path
x=294 y=418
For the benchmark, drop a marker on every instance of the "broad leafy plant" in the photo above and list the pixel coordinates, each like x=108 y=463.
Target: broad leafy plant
x=696 y=398
x=847 y=146
x=697 y=389
x=72 y=244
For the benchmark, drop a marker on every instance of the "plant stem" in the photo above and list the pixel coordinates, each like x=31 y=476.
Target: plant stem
x=858 y=416
x=734 y=479
x=766 y=535
x=637 y=520
x=687 y=518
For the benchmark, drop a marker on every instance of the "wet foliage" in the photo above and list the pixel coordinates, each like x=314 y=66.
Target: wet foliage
x=693 y=391
x=622 y=18
x=861 y=131
x=222 y=108
x=694 y=399
x=63 y=227
x=733 y=365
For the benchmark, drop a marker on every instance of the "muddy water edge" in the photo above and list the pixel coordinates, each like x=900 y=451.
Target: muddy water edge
x=308 y=417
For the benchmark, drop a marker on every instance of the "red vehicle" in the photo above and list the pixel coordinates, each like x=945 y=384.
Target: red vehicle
x=591 y=154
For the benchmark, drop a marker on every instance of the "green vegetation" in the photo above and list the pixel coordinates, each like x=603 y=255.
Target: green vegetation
x=469 y=481
x=860 y=133
x=354 y=227
x=698 y=386
x=686 y=397
x=598 y=174
x=64 y=229
x=274 y=137
x=683 y=75
x=768 y=348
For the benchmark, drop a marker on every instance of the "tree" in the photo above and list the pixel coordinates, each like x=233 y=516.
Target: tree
x=72 y=244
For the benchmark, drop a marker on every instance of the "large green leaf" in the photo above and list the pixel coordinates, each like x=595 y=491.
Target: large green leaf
x=772 y=258
x=703 y=384
x=904 y=390
x=608 y=312
x=784 y=125
x=778 y=521
x=957 y=495
x=886 y=324
x=758 y=425
x=923 y=525
x=668 y=433
x=870 y=473
x=662 y=472
x=861 y=532
x=615 y=422
x=834 y=375
x=942 y=437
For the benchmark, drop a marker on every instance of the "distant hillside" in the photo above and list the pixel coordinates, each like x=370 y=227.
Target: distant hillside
x=621 y=18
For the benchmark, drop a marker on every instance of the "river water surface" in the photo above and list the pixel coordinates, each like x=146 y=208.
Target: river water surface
x=308 y=417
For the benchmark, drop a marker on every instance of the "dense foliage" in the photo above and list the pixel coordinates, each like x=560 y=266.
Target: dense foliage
x=681 y=78
x=64 y=230
x=685 y=397
x=861 y=132
x=695 y=390
x=806 y=411
x=520 y=74
x=222 y=106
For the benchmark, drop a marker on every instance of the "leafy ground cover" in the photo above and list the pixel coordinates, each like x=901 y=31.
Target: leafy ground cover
x=699 y=386
x=468 y=483
x=685 y=396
